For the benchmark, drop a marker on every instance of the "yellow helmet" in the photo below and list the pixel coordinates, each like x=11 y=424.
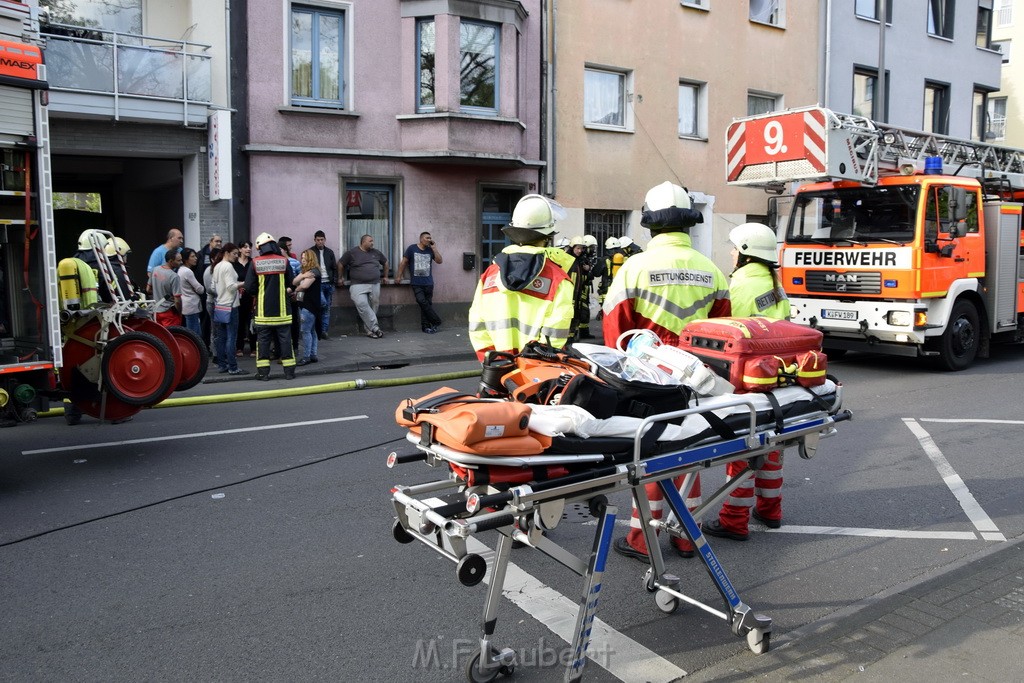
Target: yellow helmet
x=577 y=241
x=117 y=246
x=85 y=239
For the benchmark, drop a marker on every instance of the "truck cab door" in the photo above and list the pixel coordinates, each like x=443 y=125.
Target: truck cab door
x=953 y=244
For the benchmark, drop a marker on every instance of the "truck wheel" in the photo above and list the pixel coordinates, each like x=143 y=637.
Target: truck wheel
x=958 y=345
x=137 y=368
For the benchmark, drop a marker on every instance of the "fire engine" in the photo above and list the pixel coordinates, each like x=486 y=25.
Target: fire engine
x=109 y=359
x=897 y=241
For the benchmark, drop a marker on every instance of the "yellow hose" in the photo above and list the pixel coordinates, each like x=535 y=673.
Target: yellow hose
x=297 y=391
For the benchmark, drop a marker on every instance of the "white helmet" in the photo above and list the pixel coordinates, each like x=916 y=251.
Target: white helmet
x=263 y=239
x=611 y=243
x=590 y=240
x=757 y=240
x=577 y=241
x=625 y=241
x=84 y=241
x=562 y=242
x=117 y=245
x=665 y=196
x=534 y=218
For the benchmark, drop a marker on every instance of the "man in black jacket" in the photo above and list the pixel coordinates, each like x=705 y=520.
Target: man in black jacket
x=328 y=279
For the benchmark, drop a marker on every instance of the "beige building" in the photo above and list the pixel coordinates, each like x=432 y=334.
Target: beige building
x=643 y=93
x=1005 y=119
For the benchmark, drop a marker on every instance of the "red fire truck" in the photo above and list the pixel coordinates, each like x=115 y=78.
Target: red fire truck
x=897 y=241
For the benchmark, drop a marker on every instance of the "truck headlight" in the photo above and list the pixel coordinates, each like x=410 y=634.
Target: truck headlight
x=900 y=318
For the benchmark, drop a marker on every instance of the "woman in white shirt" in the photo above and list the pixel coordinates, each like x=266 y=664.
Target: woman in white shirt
x=225 y=312
x=191 y=291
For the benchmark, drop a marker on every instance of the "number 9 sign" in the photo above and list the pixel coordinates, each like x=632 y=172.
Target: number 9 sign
x=776 y=139
x=790 y=136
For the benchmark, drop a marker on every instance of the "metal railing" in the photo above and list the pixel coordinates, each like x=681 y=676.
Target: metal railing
x=92 y=60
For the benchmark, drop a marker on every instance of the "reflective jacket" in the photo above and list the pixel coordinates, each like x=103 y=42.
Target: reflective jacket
x=268 y=280
x=525 y=294
x=664 y=288
x=753 y=291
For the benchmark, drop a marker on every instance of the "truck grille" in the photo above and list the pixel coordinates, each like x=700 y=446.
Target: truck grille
x=852 y=282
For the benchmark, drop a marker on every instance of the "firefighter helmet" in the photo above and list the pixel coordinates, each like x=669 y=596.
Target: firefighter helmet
x=590 y=240
x=667 y=207
x=611 y=243
x=562 y=242
x=577 y=241
x=757 y=240
x=625 y=241
x=263 y=238
x=85 y=241
x=534 y=219
x=665 y=196
x=117 y=245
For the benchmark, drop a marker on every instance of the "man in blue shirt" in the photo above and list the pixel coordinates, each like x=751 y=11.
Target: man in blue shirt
x=175 y=240
x=420 y=258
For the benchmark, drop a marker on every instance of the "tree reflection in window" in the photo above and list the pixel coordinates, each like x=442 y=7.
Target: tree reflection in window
x=478 y=65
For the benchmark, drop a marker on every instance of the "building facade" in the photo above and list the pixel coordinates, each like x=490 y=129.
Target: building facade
x=390 y=119
x=643 y=93
x=133 y=84
x=1006 y=106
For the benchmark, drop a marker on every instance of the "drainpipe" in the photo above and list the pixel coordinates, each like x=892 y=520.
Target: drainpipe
x=227 y=87
x=548 y=116
x=881 y=114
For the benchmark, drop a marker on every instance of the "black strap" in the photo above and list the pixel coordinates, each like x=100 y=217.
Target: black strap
x=411 y=409
x=776 y=411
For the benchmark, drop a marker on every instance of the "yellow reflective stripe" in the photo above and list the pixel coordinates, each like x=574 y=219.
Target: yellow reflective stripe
x=748 y=379
x=810 y=373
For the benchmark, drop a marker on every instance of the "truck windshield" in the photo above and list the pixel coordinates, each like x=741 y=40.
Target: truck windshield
x=855 y=215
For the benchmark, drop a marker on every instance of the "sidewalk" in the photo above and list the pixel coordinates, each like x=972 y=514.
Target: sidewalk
x=960 y=622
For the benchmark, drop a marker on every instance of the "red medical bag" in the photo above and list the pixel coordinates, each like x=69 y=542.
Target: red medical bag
x=757 y=354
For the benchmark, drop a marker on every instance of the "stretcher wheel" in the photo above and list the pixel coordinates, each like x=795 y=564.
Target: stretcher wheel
x=759 y=641
x=597 y=505
x=194 y=357
x=400 y=534
x=649 y=581
x=474 y=675
x=471 y=569
x=135 y=368
x=666 y=602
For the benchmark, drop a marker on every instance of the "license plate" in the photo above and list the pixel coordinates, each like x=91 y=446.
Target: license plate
x=838 y=314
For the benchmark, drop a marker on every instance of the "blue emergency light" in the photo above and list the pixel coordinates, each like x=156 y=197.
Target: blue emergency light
x=933 y=165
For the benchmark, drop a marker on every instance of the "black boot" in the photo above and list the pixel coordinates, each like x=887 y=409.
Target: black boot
x=289 y=372
x=263 y=374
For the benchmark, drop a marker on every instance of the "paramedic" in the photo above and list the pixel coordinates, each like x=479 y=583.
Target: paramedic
x=526 y=292
x=269 y=278
x=662 y=289
x=755 y=289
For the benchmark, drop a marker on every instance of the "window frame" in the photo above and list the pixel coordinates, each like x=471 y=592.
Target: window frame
x=776 y=17
x=476 y=109
x=762 y=94
x=940 y=108
x=1005 y=9
x=990 y=116
x=702 y=5
x=872 y=73
x=700 y=110
x=596 y=223
x=626 y=80
x=948 y=19
x=343 y=11
x=982 y=9
x=874 y=16
x=997 y=45
x=393 y=252
x=420 y=107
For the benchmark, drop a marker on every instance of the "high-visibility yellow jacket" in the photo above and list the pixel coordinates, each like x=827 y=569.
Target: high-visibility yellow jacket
x=753 y=291
x=525 y=294
x=663 y=288
x=269 y=278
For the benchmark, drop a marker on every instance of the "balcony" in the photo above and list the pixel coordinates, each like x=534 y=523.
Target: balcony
x=105 y=74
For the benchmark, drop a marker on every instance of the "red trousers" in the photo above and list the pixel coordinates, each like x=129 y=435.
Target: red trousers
x=169 y=318
x=767 y=486
x=635 y=537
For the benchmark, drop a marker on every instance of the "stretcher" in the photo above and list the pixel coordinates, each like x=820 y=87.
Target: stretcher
x=522 y=497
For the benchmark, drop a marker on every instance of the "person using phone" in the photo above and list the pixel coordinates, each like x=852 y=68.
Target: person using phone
x=422 y=256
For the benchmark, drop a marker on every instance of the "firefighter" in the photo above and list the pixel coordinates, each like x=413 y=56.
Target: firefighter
x=629 y=247
x=609 y=266
x=755 y=290
x=79 y=288
x=581 y=297
x=526 y=292
x=269 y=279
x=117 y=251
x=661 y=290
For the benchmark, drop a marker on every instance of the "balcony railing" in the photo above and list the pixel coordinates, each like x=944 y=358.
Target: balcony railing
x=107 y=62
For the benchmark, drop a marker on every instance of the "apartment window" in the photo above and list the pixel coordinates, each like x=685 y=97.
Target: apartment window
x=1002 y=46
x=940 y=17
x=996 y=119
x=1004 y=13
x=692 y=109
x=936 y=108
x=983 y=36
x=604 y=98
x=425 y=58
x=369 y=210
x=605 y=224
x=869 y=9
x=317 y=57
x=123 y=16
x=979 y=115
x=696 y=4
x=865 y=85
x=771 y=12
x=761 y=103
x=478 y=66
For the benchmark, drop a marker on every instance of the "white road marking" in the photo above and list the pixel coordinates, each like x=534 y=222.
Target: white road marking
x=876 y=533
x=194 y=435
x=620 y=655
x=973 y=420
x=981 y=521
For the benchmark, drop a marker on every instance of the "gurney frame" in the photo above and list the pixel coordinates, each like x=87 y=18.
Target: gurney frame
x=524 y=512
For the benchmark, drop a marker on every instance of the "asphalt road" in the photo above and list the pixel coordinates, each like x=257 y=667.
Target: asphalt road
x=251 y=541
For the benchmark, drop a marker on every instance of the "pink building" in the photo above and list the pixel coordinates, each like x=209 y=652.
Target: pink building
x=388 y=119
